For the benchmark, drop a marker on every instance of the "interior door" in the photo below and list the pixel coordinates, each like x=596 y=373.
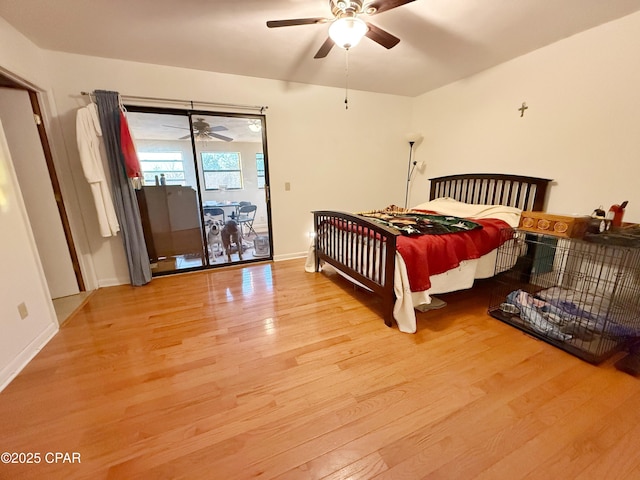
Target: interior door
x=37 y=191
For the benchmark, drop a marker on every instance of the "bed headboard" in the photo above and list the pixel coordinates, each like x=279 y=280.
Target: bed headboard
x=526 y=193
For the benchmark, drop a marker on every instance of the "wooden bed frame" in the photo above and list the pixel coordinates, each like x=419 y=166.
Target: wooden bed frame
x=369 y=258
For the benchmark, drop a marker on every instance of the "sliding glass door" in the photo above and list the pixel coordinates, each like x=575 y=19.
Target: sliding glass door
x=205 y=198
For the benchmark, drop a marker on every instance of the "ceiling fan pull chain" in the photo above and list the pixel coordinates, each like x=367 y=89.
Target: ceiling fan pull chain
x=346 y=87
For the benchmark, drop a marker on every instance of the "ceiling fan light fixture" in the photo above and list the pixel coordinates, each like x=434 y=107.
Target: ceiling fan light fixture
x=255 y=126
x=346 y=32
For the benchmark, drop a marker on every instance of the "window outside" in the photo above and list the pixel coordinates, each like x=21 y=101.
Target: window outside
x=155 y=164
x=260 y=169
x=221 y=170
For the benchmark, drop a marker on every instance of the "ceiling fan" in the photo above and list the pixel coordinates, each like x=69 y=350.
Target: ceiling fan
x=203 y=131
x=347 y=28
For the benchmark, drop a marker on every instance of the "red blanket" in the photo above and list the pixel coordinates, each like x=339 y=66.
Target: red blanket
x=427 y=255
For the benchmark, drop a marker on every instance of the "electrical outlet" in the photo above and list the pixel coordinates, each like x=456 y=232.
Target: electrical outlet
x=287 y=186
x=22 y=310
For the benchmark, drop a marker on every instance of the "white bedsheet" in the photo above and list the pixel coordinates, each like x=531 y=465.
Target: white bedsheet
x=460 y=278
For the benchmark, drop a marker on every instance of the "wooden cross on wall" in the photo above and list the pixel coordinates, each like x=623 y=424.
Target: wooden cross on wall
x=522 y=109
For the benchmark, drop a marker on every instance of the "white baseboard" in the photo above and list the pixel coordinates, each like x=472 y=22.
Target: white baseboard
x=112 y=282
x=8 y=373
x=289 y=256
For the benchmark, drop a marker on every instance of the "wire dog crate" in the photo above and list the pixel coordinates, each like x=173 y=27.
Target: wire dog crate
x=581 y=297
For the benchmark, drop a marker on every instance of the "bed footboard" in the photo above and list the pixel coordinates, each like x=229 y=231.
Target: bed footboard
x=359 y=248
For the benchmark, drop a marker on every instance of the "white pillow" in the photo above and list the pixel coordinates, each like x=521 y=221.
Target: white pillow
x=450 y=206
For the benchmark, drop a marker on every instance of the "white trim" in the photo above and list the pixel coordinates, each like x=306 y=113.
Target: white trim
x=8 y=373
x=289 y=256
x=112 y=282
x=60 y=157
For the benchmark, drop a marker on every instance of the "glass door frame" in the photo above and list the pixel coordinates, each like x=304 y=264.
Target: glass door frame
x=190 y=114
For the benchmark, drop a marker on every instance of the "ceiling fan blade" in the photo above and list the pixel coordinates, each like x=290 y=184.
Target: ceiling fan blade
x=381 y=36
x=384 y=5
x=325 y=48
x=295 y=21
x=218 y=128
x=185 y=137
x=173 y=126
x=221 y=137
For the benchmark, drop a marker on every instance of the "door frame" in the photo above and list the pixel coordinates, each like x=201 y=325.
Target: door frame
x=7 y=82
x=190 y=113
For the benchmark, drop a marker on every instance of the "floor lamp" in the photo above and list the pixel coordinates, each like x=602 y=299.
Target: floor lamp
x=412 y=138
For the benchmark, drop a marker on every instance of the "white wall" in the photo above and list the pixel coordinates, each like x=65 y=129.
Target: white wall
x=21 y=279
x=19 y=56
x=581 y=128
x=333 y=158
x=21 y=276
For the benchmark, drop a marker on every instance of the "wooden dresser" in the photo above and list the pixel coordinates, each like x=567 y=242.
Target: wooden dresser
x=170 y=221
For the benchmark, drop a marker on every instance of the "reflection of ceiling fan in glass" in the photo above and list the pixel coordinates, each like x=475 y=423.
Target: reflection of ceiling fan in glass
x=255 y=125
x=203 y=131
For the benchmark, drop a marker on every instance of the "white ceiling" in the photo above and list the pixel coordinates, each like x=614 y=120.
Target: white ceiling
x=441 y=40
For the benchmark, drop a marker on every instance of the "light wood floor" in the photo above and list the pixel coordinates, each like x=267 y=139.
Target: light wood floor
x=271 y=372
x=65 y=307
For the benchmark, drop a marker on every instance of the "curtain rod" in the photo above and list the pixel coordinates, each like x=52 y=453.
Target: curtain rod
x=190 y=102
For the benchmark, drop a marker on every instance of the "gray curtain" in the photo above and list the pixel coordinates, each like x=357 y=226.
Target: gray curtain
x=124 y=197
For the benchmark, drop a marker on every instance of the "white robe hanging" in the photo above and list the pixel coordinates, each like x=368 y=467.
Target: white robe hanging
x=88 y=133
